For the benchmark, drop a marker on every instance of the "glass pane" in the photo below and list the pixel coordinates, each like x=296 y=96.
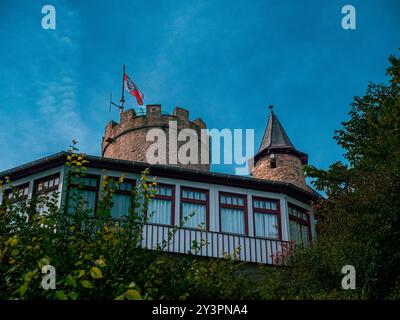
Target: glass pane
x=232 y=220
x=86 y=199
x=299 y=232
x=160 y=211
x=121 y=205
x=266 y=225
x=198 y=220
x=93 y=182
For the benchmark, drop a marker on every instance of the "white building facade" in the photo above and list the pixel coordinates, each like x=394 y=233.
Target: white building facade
x=257 y=218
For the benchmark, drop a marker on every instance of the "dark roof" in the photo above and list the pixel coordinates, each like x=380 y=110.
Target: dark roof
x=164 y=171
x=275 y=140
x=274 y=135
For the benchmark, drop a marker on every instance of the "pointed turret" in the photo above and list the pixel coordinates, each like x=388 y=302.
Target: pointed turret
x=274 y=135
x=277 y=159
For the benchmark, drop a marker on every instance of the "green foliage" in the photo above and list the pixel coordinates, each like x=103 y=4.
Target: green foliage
x=359 y=223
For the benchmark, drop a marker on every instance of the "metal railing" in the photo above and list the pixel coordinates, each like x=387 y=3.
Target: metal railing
x=214 y=244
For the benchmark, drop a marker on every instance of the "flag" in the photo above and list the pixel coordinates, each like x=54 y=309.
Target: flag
x=133 y=89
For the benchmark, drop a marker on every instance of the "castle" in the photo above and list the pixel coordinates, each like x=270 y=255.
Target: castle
x=276 y=160
x=258 y=214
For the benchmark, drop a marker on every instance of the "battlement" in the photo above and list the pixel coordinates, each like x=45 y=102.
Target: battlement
x=126 y=139
x=154 y=117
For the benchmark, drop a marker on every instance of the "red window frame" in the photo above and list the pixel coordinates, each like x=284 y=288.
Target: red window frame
x=300 y=220
x=233 y=206
x=123 y=192
x=277 y=212
x=194 y=201
x=162 y=197
x=87 y=188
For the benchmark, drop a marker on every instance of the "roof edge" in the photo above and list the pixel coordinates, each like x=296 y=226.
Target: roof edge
x=164 y=171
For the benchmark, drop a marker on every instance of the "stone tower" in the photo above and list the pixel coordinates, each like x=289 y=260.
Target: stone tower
x=277 y=159
x=127 y=139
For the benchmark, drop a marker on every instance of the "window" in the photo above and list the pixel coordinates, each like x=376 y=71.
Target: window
x=121 y=198
x=266 y=218
x=17 y=193
x=46 y=187
x=233 y=213
x=16 y=196
x=161 y=207
x=195 y=201
x=87 y=194
x=299 y=222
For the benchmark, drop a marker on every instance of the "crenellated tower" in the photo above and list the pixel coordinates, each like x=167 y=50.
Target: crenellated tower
x=127 y=139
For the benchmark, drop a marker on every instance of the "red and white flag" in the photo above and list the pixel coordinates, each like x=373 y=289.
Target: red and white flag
x=133 y=89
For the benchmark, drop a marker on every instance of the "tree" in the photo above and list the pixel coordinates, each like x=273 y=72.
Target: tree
x=359 y=222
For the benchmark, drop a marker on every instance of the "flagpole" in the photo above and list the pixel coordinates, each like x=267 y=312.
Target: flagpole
x=122 y=92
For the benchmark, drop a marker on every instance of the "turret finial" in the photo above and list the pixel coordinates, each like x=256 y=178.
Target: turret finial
x=270 y=107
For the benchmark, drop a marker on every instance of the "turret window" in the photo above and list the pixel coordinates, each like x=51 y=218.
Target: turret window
x=272 y=159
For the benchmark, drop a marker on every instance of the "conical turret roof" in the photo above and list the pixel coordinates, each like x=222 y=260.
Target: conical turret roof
x=274 y=135
x=275 y=140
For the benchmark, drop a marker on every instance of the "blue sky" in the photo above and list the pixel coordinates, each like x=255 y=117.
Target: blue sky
x=225 y=61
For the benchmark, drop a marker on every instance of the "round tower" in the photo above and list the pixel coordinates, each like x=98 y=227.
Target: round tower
x=277 y=159
x=127 y=139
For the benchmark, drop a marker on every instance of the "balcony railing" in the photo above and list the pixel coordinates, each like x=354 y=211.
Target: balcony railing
x=215 y=244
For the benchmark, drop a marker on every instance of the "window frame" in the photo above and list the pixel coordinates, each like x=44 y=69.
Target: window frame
x=300 y=220
x=122 y=192
x=48 y=190
x=8 y=191
x=161 y=197
x=233 y=206
x=276 y=212
x=127 y=193
x=86 y=188
x=194 y=201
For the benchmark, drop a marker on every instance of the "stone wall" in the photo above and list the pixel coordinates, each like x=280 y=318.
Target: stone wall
x=288 y=169
x=127 y=140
